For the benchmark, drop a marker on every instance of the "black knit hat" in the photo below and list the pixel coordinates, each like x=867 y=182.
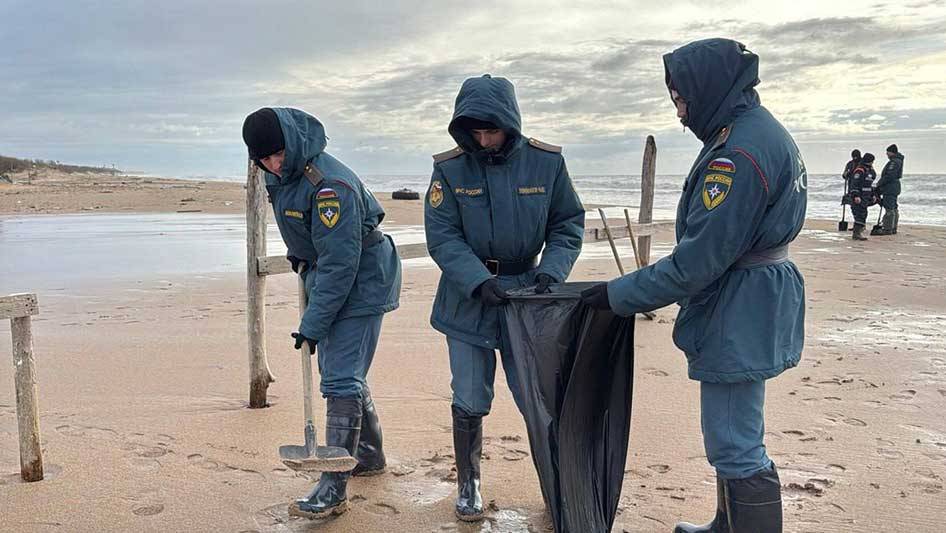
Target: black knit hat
x=892 y=148
x=263 y=134
x=868 y=158
x=470 y=124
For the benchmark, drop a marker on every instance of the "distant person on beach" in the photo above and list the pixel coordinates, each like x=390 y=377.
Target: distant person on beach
x=742 y=300
x=495 y=202
x=848 y=171
x=888 y=187
x=862 y=194
x=329 y=221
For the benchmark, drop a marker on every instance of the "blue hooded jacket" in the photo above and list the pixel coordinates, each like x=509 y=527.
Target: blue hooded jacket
x=323 y=219
x=509 y=205
x=742 y=306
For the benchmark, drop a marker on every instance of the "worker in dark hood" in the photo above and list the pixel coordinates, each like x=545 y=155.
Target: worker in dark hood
x=329 y=221
x=742 y=300
x=495 y=202
x=888 y=187
x=846 y=174
x=862 y=194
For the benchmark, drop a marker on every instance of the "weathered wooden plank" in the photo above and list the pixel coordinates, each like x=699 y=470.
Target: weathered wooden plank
x=256 y=205
x=598 y=234
x=277 y=264
x=27 y=418
x=18 y=305
x=646 y=212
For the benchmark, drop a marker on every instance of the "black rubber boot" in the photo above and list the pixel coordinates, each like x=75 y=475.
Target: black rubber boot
x=896 y=221
x=467 y=447
x=755 y=503
x=858 y=234
x=720 y=523
x=329 y=496
x=370 y=454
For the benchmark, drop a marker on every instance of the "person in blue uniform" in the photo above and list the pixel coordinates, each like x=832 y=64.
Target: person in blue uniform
x=329 y=221
x=495 y=203
x=742 y=300
x=862 y=194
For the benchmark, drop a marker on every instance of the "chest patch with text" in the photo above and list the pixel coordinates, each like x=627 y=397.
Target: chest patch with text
x=531 y=190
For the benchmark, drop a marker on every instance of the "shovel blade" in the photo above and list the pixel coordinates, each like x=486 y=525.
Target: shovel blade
x=320 y=459
x=842 y=225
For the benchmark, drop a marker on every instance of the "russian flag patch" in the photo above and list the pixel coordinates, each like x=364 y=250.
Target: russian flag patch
x=722 y=165
x=326 y=193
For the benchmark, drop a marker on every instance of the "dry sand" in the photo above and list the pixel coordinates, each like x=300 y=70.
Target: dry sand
x=143 y=391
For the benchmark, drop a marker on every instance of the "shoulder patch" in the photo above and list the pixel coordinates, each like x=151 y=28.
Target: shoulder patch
x=435 y=195
x=449 y=154
x=722 y=164
x=716 y=188
x=329 y=206
x=545 y=146
x=313 y=174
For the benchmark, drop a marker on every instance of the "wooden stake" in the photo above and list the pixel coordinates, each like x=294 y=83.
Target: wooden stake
x=637 y=258
x=607 y=231
x=646 y=214
x=18 y=308
x=260 y=375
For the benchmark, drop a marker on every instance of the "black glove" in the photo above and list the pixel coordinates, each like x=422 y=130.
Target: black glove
x=542 y=282
x=596 y=297
x=490 y=293
x=296 y=263
x=300 y=338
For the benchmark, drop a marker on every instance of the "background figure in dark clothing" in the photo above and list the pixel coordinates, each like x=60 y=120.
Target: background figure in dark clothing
x=862 y=194
x=889 y=189
x=848 y=172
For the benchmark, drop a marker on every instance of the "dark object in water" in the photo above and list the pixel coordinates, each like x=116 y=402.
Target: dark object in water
x=576 y=370
x=405 y=194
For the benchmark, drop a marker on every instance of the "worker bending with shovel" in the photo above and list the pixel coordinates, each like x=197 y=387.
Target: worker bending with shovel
x=352 y=275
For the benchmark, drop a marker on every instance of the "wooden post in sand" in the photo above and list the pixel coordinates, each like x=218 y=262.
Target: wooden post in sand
x=18 y=308
x=260 y=376
x=646 y=214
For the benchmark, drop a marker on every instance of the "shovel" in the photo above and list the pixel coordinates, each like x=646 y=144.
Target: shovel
x=878 y=227
x=310 y=456
x=842 y=224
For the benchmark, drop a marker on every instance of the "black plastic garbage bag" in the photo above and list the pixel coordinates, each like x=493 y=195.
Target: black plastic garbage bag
x=576 y=370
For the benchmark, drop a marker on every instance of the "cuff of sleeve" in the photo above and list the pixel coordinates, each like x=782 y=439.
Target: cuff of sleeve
x=476 y=282
x=310 y=333
x=618 y=304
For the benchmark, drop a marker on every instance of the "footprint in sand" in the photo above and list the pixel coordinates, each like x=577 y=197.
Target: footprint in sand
x=91 y=432
x=942 y=392
x=904 y=395
x=148 y=510
x=889 y=453
x=382 y=509
x=511 y=454
x=656 y=372
x=197 y=460
x=660 y=469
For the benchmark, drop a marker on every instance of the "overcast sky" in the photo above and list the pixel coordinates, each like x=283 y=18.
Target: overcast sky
x=163 y=87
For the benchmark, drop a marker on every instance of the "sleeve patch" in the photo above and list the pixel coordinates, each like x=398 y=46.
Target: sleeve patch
x=330 y=211
x=435 y=196
x=716 y=188
x=722 y=164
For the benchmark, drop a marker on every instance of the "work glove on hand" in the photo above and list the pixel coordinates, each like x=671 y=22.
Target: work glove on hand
x=490 y=293
x=596 y=297
x=296 y=263
x=300 y=339
x=542 y=282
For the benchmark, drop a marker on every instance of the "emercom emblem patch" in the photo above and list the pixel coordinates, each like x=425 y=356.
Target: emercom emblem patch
x=436 y=194
x=329 y=211
x=716 y=188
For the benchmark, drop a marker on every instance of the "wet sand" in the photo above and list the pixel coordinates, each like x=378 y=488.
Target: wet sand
x=142 y=389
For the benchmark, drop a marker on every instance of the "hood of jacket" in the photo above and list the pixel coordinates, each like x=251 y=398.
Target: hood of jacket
x=305 y=139
x=488 y=99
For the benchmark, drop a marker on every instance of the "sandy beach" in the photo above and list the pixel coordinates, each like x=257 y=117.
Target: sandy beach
x=143 y=391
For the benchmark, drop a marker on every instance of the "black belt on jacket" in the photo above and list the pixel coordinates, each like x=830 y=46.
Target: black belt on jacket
x=372 y=238
x=502 y=267
x=772 y=256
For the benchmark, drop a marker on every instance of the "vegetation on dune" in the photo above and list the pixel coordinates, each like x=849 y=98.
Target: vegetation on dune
x=13 y=164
